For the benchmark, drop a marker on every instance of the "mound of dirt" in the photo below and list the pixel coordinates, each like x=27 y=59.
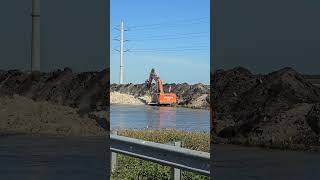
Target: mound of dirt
x=313 y=118
x=23 y=115
x=277 y=109
x=119 y=98
x=87 y=91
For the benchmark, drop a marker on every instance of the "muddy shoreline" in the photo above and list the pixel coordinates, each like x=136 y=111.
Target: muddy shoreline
x=117 y=98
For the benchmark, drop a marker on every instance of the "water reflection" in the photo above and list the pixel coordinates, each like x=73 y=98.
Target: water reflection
x=153 y=117
x=166 y=117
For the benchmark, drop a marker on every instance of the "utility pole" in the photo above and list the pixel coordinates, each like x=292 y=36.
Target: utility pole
x=121 y=53
x=35 y=49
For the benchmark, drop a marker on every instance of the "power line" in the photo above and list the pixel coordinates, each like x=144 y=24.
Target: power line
x=181 y=52
x=206 y=46
x=182 y=46
x=167 y=26
x=176 y=34
x=169 y=50
x=173 y=36
x=186 y=49
x=179 y=47
x=169 y=22
x=160 y=39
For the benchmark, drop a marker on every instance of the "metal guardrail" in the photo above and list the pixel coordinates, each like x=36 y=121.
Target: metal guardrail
x=173 y=156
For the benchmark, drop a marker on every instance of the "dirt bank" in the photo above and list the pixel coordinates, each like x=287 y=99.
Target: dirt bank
x=23 y=115
x=89 y=91
x=280 y=109
x=193 y=96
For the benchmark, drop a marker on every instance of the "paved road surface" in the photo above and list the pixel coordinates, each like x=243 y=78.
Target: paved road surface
x=46 y=158
x=237 y=163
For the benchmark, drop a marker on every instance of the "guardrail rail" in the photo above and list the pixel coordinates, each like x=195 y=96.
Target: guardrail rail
x=174 y=156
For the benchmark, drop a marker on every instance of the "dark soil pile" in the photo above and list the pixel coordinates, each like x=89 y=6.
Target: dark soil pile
x=278 y=109
x=86 y=91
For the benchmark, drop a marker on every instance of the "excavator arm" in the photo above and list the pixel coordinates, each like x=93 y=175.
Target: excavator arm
x=160 y=97
x=153 y=76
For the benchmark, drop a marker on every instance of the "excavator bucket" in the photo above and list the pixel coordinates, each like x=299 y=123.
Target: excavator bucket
x=167 y=98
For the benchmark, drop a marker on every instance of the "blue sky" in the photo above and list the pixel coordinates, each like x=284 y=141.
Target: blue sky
x=172 y=36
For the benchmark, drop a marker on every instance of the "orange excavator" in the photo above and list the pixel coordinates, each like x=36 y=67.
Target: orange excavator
x=158 y=96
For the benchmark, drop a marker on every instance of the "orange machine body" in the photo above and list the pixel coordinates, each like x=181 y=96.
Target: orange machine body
x=167 y=98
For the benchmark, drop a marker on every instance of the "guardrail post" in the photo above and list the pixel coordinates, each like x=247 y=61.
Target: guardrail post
x=175 y=172
x=114 y=157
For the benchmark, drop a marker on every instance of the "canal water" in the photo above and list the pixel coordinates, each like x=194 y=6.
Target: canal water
x=154 y=117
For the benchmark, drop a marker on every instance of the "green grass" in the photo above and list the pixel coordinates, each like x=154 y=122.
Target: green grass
x=132 y=168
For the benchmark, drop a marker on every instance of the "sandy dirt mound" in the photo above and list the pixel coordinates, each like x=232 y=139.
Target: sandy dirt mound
x=23 y=115
x=120 y=98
